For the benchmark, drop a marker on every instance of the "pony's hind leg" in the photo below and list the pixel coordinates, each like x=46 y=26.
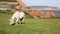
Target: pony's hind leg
x=22 y=20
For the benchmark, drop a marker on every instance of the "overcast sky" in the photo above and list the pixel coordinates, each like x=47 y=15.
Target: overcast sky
x=42 y=2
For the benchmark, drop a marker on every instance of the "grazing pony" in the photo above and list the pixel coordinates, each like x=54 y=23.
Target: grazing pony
x=18 y=15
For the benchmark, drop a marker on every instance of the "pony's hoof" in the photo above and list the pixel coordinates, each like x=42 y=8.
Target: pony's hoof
x=22 y=23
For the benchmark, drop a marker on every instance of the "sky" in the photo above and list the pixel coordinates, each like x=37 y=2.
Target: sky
x=42 y=2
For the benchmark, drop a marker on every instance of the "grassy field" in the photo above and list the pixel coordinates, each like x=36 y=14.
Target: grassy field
x=31 y=26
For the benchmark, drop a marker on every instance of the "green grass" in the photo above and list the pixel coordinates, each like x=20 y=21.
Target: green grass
x=31 y=26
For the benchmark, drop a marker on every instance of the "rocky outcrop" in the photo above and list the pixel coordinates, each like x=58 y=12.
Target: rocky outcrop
x=21 y=4
x=40 y=14
x=49 y=14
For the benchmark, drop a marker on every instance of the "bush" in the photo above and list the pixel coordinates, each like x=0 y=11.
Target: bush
x=6 y=11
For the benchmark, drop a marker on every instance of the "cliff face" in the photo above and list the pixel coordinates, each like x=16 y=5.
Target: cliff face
x=49 y=14
x=39 y=14
x=21 y=4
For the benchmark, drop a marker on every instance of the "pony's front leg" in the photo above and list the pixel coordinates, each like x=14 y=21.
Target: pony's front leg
x=17 y=21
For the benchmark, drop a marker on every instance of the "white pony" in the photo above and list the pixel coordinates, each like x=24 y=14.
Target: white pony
x=19 y=15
